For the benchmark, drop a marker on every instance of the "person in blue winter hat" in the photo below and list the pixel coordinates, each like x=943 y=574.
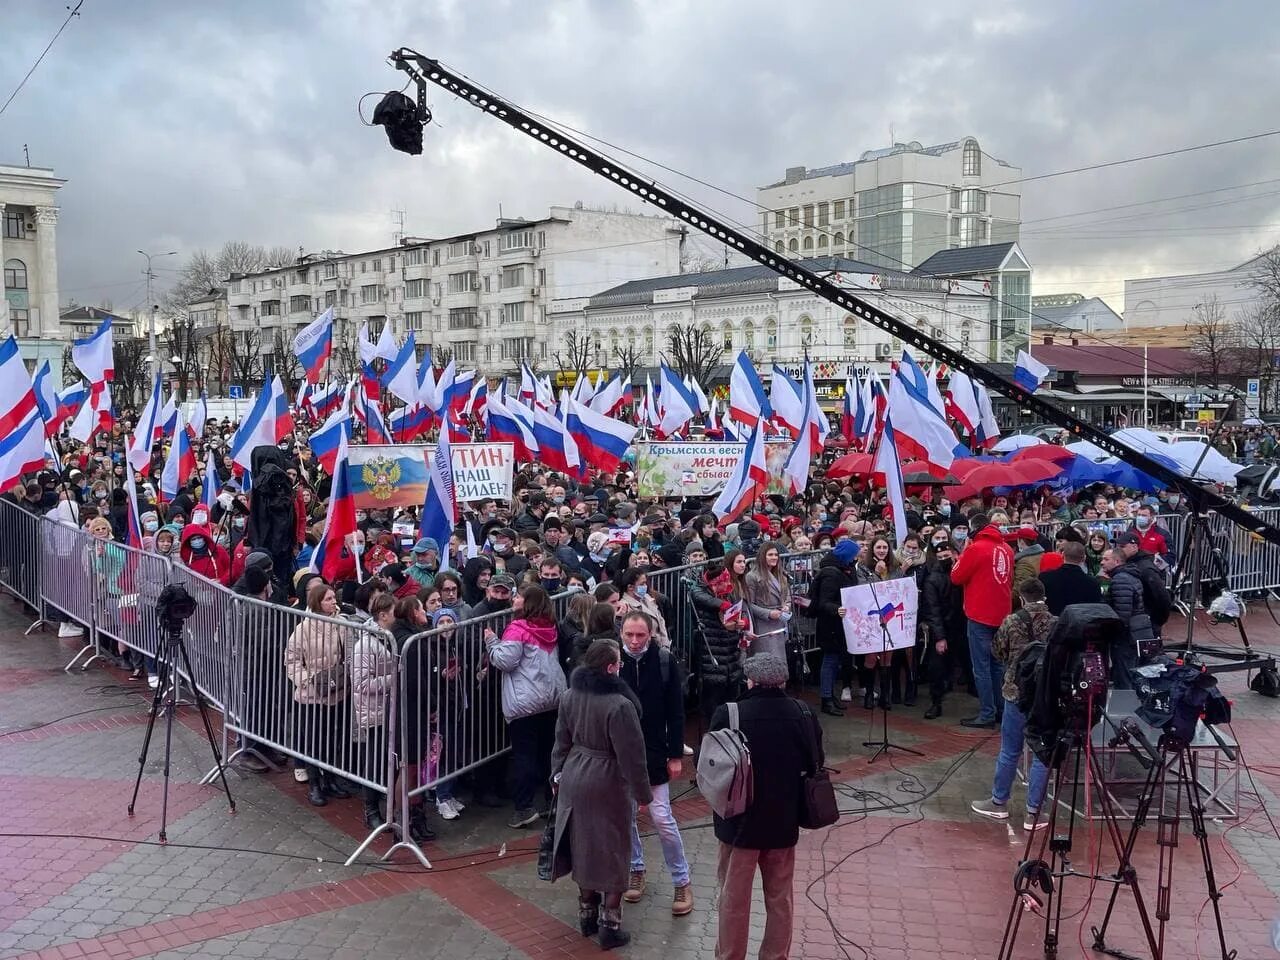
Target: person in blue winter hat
x=837 y=570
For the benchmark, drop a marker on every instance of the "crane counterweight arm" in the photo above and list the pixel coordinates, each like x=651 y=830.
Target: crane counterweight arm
x=423 y=70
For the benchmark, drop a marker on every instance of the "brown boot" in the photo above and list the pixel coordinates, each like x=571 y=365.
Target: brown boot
x=682 y=901
x=635 y=887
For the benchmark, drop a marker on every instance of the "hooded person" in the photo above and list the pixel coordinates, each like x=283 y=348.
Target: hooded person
x=837 y=570
x=273 y=511
x=475 y=578
x=721 y=636
x=201 y=555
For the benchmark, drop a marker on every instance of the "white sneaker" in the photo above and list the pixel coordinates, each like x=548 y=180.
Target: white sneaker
x=446 y=810
x=688 y=750
x=69 y=629
x=300 y=774
x=153 y=681
x=457 y=804
x=846 y=695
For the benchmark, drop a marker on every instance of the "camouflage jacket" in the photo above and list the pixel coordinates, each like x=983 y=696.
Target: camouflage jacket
x=1033 y=623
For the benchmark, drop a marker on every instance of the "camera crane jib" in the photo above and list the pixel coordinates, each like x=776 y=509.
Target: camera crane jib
x=423 y=70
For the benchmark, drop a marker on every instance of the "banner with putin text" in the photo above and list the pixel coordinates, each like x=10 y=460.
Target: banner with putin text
x=389 y=476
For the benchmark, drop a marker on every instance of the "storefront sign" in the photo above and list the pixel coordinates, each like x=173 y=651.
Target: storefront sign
x=395 y=475
x=698 y=469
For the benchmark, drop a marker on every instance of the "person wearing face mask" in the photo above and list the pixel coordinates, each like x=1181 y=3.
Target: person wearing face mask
x=200 y=554
x=634 y=585
x=1153 y=537
x=942 y=612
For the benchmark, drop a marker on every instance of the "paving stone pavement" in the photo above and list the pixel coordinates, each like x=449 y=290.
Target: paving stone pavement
x=908 y=874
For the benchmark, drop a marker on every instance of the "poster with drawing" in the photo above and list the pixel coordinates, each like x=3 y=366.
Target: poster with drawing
x=892 y=603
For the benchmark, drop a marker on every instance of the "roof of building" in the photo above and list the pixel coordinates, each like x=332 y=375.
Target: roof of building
x=80 y=314
x=735 y=281
x=1090 y=314
x=869 y=156
x=1101 y=360
x=965 y=261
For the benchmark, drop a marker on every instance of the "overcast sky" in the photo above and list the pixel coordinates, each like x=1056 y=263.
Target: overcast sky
x=180 y=125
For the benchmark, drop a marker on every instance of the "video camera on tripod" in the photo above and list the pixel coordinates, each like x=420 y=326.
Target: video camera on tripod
x=174 y=606
x=1175 y=696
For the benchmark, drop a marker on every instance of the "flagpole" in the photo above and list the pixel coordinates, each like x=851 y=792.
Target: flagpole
x=1145 y=421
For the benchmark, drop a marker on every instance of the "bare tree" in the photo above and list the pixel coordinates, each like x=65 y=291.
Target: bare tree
x=130 y=377
x=699 y=262
x=576 y=356
x=206 y=271
x=441 y=357
x=694 y=352
x=1259 y=344
x=628 y=359
x=1213 y=338
x=285 y=362
x=243 y=354
x=180 y=344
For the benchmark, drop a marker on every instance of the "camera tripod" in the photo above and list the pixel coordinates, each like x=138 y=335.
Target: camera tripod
x=1038 y=883
x=166 y=700
x=1186 y=787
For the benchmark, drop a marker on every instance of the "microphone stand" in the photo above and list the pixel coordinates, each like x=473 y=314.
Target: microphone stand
x=884 y=744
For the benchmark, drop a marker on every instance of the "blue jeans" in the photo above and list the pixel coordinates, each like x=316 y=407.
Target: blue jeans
x=988 y=672
x=668 y=834
x=828 y=673
x=1012 y=728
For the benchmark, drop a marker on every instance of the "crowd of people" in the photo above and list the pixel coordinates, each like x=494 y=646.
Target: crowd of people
x=588 y=655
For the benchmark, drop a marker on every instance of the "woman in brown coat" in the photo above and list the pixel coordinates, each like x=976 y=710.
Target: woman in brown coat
x=599 y=768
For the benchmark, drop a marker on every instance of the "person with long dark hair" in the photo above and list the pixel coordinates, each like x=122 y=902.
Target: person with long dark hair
x=527 y=656
x=601 y=776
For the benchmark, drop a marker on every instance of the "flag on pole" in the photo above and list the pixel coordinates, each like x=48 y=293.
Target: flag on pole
x=210 y=485
x=46 y=398
x=21 y=452
x=747 y=400
x=888 y=464
x=144 y=433
x=401 y=376
x=1028 y=372
x=313 y=345
x=331 y=557
x=440 y=505
x=179 y=464
x=749 y=477
x=17 y=396
x=92 y=355
x=786 y=396
x=199 y=415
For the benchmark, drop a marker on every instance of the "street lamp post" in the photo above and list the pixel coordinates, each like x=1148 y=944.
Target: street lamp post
x=151 y=333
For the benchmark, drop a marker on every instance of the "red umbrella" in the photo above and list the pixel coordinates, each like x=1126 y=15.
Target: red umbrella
x=963 y=466
x=850 y=465
x=1044 y=451
x=1010 y=474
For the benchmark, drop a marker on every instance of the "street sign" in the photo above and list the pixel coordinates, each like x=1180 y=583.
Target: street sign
x=235 y=393
x=1194 y=401
x=1253 y=396
x=1205 y=416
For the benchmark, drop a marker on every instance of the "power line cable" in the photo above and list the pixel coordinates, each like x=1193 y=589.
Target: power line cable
x=70 y=16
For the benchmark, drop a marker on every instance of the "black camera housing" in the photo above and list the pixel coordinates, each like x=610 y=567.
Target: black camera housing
x=175 y=606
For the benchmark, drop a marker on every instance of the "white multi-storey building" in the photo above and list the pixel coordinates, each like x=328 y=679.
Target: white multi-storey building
x=776 y=320
x=895 y=207
x=1172 y=301
x=481 y=298
x=29 y=253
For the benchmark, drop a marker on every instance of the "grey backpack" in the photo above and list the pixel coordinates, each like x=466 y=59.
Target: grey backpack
x=724 y=769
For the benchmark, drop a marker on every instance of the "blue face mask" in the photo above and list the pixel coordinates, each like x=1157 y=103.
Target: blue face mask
x=642 y=590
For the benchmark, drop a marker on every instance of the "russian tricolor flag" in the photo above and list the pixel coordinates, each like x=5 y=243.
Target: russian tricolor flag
x=209 y=488
x=329 y=559
x=70 y=400
x=258 y=428
x=601 y=441
x=375 y=427
x=283 y=419
x=1028 y=372
x=886 y=613
x=179 y=464
x=505 y=427
x=324 y=402
x=313 y=344
x=556 y=448
x=144 y=433
x=786 y=397
x=440 y=505
x=326 y=440
x=888 y=464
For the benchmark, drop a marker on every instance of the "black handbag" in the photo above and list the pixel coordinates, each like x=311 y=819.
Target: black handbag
x=550 y=860
x=818 y=807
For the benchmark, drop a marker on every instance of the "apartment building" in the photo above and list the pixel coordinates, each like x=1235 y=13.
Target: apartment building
x=481 y=298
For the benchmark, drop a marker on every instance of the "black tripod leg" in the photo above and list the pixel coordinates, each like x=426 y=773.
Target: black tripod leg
x=884 y=744
x=208 y=728
x=170 y=708
x=161 y=678
x=1195 y=807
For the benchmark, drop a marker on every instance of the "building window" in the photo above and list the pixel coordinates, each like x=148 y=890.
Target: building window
x=808 y=214
x=415 y=257
x=971 y=164
x=648 y=343
x=771 y=334
x=726 y=337
x=15 y=275
x=413 y=320
x=512 y=313
x=463 y=318
x=808 y=244
x=15 y=225
x=435 y=257
x=463 y=282
x=850 y=333
x=369 y=293
x=824 y=210
x=779 y=219
x=517 y=348
x=806 y=332
x=512 y=277
x=837 y=210
x=517 y=240
x=21 y=320
x=331 y=298
x=299 y=304
x=464 y=352
x=822 y=241
x=270 y=308
x=778 y=247
x=793 y=216
x=793 y=245
x=972 y=200
x=414 y=289
x=459 y=248
x=748 y=335
x=966 y=335
x=488 y=249
x=838 y=240
x=343 y=298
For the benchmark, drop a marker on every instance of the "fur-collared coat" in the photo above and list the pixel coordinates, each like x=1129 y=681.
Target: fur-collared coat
x=600 y=757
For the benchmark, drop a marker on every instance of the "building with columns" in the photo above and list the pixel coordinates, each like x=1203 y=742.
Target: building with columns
x=29 y=253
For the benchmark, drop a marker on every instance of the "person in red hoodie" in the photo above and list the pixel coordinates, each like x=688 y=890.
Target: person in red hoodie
x=985 y=572
x=203 y=556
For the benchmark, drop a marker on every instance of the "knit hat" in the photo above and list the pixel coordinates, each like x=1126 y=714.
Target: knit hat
x=845 y=552
x=441 y=614
x=766 y=670
x=694 y=546
x=255 y=580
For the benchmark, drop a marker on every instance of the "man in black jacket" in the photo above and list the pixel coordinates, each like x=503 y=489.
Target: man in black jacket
x=653 y=676
x=836 y=571
x=1125 y=597
x=786 y=744
x=942 y=609
x=1071 y=582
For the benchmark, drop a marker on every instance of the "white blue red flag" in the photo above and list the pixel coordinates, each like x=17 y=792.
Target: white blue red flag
x=749 y=477
x=888 y=465
x=440 y=504
x=1028 y=372
x=602 y=441
x=330 y=557
x=21 y=451
x=313 y=344
x=786 y=396
x=748 y=402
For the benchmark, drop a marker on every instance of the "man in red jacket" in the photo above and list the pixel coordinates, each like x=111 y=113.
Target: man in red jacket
x=985 y=572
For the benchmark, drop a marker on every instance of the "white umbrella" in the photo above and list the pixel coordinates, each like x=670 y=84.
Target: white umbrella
x=1016 y=441
x=1195 y=459
x=1090 y=451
